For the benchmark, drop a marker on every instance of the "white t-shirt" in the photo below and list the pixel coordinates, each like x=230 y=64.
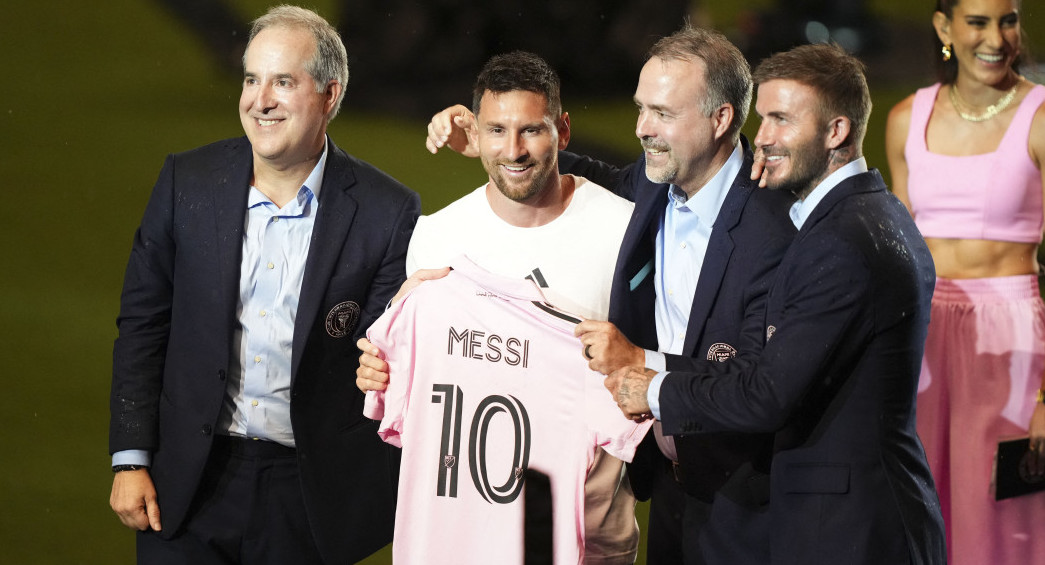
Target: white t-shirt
x=488 y=382
x=571 y=258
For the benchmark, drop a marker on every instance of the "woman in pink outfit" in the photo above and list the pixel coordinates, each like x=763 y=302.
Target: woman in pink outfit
x=966 y=157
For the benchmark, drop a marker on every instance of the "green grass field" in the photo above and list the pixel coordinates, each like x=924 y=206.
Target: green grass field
x=98 y=94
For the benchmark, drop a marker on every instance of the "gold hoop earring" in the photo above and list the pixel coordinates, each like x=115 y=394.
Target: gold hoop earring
x=946 y=50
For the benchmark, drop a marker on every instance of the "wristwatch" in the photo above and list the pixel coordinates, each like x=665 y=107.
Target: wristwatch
x=118 y=468
x=1041 y=396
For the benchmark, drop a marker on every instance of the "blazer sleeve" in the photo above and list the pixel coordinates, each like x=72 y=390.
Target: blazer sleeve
x=823 y=312
x=619 y=180
x=144 y=323
x=392 y=271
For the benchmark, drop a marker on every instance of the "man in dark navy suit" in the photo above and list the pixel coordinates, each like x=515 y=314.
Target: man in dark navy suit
x=691 y=279
x=844 y=330
x=236 y=433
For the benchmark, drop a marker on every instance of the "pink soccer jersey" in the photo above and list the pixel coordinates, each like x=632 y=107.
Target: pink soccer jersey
x=487 y=380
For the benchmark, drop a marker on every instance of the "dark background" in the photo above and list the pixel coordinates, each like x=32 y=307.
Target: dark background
x=96 y=94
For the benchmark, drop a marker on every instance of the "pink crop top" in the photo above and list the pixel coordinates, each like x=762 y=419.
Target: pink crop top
x=995 y=196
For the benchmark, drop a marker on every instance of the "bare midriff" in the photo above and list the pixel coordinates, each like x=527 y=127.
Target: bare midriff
x=982 y=258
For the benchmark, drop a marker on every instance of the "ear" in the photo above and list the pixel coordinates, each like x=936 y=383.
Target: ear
x=563 y=127
x=472 y=131
x=943 y=27
x=723 y=117
x=332 y=93
x=838 y=130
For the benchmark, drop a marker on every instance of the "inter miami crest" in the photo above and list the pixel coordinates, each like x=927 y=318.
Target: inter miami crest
x=721 y=352
x=342 y=319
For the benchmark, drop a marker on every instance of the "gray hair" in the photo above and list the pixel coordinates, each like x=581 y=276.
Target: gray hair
x=727 y=75
x=330 y=61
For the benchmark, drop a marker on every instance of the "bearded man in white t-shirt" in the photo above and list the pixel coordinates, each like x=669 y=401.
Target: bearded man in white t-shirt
x=529 y=221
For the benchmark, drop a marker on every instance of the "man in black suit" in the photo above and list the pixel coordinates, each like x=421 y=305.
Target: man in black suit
x=844 y=331
x=257 y=264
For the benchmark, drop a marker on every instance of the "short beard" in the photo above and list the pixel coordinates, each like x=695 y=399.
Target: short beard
x=535 y=187
x=666 y=174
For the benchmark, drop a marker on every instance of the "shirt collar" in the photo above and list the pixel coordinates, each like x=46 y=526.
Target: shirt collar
x=312 y=185
x=707 y=201
x=801 y=209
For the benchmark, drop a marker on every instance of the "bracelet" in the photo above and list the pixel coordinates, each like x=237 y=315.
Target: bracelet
x=120 y=468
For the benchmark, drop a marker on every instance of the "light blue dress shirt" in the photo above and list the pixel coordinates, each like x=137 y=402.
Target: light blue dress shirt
x=275 y=247
x=682 y=242
x=799 y=212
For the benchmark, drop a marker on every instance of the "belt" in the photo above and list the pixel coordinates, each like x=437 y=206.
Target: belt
x=248 y=447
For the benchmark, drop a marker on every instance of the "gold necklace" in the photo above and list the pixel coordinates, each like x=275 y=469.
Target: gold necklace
x=989 y=112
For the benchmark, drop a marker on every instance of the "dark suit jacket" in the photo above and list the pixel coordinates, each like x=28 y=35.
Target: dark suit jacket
x=748 y=239
x=846 y=318
x=176 y=321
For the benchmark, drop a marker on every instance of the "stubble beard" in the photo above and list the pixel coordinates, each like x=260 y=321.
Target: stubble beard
x=807 y=170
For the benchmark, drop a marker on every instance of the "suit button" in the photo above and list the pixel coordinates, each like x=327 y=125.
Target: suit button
x=221 y=374
x=206 y=429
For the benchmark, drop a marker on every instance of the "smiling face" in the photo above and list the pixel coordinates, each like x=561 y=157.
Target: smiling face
x=283 y=115
x=519 y=142
x=985 y=38
x=792 y=136
x=676 y=133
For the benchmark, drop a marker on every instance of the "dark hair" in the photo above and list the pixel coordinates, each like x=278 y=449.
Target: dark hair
x=947 y=71
x=837 y=76
x=518 y=70
x=727 y=76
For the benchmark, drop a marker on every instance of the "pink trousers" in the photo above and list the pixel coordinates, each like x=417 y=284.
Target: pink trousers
x=983 y=366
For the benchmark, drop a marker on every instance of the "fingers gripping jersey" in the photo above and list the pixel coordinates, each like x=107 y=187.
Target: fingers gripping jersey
x=489 y=381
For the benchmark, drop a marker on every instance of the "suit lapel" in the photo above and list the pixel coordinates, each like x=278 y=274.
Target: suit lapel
x=230 y=209
x=720 y=249
x=640 y=241
x=864 y=182
x=336 y=210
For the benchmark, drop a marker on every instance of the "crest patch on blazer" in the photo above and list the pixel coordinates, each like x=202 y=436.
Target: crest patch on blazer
x=721 y=352
x=770 y=331
x=342 y=319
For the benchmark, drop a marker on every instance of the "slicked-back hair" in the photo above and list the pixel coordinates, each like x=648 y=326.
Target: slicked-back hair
x=836 y=76
x=947 y=71
x=329 y=62
x=727 y=76
x=518 y=70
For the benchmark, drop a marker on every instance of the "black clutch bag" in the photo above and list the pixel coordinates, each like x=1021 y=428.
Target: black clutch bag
x=1012 y=470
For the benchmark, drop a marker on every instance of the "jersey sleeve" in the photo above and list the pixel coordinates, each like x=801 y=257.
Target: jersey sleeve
x=392 y=336
x=611 y=430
